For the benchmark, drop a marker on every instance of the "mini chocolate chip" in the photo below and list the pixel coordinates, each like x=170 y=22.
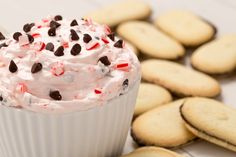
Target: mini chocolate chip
x=16 y=36
x=75 y=50
x=2 y=36
x=54 y=24
x=31 y=38
x=27 y=27
x=50 y=47
x=74 y=35
x=87 y=38
x=3 y=45
x=55 y=95
x=105 y=60
x=59 y=52
x=52 y=32
x=36 y=67
x=111 y=36
x=74 y=23
x=13 y=67
x=97 y=38
x=119 y=44
x=125 y=84
x=58 y=18
x=1 y=98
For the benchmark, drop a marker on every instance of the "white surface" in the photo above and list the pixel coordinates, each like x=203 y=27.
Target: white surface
x=15 y=13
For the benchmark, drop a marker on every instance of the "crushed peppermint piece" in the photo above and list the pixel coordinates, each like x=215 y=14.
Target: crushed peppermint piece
x=13 y=67
x=55 y=95
x=75 y=50
x=97 y=91
x=65 y=44
x=36 y=67
x=59 y=52
x=111 y=36
x=119 y=44
x=107 y=29
x=16 y=36
x=39 y=46
x=87 y=38
x=50 y=47
x=2 y=37
x=57 y=69
x=21 y=87
x=24 y=40
x=52 y=32
x=36 y=35
x=73 y=23
x=54 y=24
x=105 y=40
x=122 y=65
x=104 y=60
x=74 y=35
x=58 y=18
x=92 y=46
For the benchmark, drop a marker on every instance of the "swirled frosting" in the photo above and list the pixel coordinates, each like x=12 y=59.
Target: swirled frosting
x=58 y=65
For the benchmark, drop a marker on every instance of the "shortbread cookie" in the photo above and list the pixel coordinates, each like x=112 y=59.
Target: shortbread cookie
x=120 y=12
x=211 y=120
x=186 y=27
x=150 y=40
x=150 y=96
x=132 y=47
x=216 y=57
x=152 y=152
x=162 y=127
x=179 y=79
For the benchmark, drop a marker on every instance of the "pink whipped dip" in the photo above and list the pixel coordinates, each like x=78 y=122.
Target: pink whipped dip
x=58 y=65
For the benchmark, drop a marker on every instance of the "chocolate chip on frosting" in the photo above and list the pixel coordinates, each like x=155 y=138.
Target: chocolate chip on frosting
x=52 y=32
x=16 y=36
x=54 y=24
x=31 y=38
x=13 y=67
x=36 y=67
x=75 y=49
x=1 y=98
x=50 y=47
x=105 y=60
x=119 y=44
x=3 y=45
x=58 y=18
x=74 y=23
x=2 y=36
x=55 y=95
x=74 y=35
x=111 y=36
x=27 y=27
x=125 y=84
x=59 y=52
x=87 y=38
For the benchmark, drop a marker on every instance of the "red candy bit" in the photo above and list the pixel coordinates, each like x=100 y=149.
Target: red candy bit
x=65 y=44
x=92 y=46
x=36 y=35
x=45 y=20
x=107 y=29
x=39 y=26
x=21 y=87
x=105 y=40
x=97 y=91
x=122 y=65
x=57 y=69
x=39 y=46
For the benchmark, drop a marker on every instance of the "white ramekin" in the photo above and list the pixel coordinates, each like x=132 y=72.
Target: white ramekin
x=98 y=132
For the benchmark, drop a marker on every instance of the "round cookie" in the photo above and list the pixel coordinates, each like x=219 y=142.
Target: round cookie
x=179 y=79
x=119 y=12
x=150 y=96
x=162 y=127
x=152 y=152
x=150 y=40
x=211 y=120
x=216 y=57
x=186 y=27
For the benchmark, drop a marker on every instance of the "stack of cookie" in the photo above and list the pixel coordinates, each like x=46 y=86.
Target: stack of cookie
x=175 y=104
